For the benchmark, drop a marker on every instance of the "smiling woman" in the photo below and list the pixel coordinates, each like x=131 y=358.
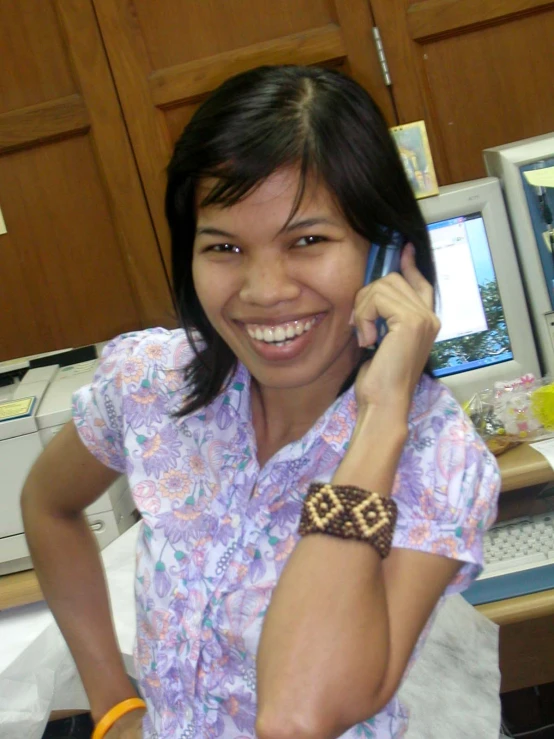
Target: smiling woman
x=309 y=150
x=307 y=500
x=280 y=292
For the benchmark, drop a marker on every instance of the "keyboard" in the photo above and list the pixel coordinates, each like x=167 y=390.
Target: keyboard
x=519 y=559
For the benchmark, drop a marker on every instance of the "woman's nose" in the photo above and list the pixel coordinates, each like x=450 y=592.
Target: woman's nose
x=267 y=282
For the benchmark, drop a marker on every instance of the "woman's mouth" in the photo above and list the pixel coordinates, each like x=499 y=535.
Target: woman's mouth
x=282 y=333
x=282 y=340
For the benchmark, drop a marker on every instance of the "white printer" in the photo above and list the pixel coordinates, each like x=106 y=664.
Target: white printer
x=33 y=408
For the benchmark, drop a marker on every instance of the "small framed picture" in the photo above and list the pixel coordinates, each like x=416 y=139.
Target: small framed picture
x=413 y=147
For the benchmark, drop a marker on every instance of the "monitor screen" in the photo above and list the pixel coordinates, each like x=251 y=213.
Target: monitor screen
x=473 y=325
x=538 y=185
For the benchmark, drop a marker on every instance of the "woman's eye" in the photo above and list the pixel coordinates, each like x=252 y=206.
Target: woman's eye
x=310 y=240
x=224 y=249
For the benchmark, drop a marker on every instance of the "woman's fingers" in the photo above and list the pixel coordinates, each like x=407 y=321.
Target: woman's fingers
x=414 y=278
x=398 y=302
x=383 y=300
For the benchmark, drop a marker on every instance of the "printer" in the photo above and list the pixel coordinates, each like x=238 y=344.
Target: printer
x=34 y=405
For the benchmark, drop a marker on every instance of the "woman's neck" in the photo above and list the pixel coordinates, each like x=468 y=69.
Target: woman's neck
x=283 y=415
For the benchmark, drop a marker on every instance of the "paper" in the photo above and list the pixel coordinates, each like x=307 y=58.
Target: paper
x=546 y=448
x=37 y=673
x=540 y=177
x=3 y=229
x=11 y=409
x=453 y=689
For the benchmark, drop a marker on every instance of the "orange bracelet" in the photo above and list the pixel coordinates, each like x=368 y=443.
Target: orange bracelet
x=115 y=713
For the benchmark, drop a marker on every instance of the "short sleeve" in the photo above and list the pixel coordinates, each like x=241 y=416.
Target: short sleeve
x=447 y=488
x=97 y=408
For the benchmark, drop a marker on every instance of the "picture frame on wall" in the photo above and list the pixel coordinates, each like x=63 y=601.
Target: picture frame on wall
x=413 y=146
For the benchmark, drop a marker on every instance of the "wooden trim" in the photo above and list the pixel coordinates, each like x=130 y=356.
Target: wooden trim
x=26 y=127
x=356 y=22
x=523 y=467
x=19 y=589
x=411 y=90
x=130 y=66
x=523 y=608
x=185 y=81
x=139 y=246
x=431 y=19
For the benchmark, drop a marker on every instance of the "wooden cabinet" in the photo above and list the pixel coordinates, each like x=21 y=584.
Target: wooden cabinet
x=93 y=93
x=80 y=261
x=480 y=72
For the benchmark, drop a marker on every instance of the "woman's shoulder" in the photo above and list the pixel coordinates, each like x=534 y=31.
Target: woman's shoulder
x=439 y=425
x=164 y=349
x=147 y=367
x=433 y=400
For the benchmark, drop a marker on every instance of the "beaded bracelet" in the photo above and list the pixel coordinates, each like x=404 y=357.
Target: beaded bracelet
x=115 y=713
x=349 y=513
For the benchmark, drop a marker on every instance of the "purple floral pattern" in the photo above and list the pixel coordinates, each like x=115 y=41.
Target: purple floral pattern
x=217 y=530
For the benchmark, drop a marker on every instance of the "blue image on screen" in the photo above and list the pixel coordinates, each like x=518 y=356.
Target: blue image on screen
x=482 y=348
x=540 y=202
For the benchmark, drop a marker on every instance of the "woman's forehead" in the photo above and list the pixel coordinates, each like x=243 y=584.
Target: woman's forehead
x=278 y=194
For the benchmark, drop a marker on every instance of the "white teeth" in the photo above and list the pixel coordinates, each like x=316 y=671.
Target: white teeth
x=280 y=335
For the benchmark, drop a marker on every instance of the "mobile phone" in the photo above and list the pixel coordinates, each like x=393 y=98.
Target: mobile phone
x=381 y=261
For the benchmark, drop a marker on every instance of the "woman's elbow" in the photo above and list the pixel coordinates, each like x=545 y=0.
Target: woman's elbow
x=328 y=724
x=293 y=727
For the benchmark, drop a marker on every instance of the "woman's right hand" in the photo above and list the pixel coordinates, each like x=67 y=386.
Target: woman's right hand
x=128 y=726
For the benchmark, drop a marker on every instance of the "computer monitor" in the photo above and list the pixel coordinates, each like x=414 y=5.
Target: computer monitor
x=526 y=169
x=486 y=333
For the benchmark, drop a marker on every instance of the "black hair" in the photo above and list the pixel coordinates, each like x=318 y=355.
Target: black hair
x=254 y=124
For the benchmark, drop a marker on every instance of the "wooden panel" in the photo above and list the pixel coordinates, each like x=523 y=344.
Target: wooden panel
x=81 y=257
x=62 y=246
x=169 y=86
x=40 y=123
x=131 y=67
x=496 y=68
x=523 y=467
x=480 y=86
x=522 y=608
x=166 y=56
x=19 y=589
x=527 y=653
x=433 y=18
x=180 y=31
x=117 y=167
x=31 y=78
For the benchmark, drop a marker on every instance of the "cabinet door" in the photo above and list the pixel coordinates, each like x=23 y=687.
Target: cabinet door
x=80 y=261
x=479 y=71
x=167 y=55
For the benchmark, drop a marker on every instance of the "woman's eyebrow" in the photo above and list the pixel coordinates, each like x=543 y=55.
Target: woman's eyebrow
x=209 y=231
x=307 y=223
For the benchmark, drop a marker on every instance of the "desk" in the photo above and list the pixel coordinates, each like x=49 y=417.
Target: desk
x=527 y=623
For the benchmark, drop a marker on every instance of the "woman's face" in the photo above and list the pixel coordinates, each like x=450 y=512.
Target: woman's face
x=281 y=293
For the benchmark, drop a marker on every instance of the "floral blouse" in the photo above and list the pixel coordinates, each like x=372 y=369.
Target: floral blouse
x=217 y=530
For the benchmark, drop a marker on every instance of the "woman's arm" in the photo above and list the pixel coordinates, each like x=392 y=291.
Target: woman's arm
x=343 y=623
x=64 y=480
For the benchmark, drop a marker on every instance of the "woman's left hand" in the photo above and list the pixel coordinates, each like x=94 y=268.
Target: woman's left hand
x=405 y=301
